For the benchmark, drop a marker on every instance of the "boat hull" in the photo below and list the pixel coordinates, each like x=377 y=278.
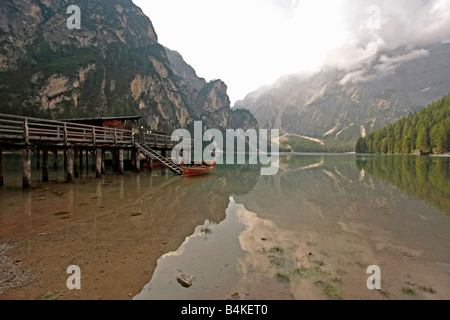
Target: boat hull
x=197 y=171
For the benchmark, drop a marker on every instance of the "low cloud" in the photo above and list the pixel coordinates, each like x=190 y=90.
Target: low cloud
x=382 y=66
x=381 y=27
x=288 y=4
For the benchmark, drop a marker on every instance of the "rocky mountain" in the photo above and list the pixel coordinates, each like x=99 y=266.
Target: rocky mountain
x=335 y=106
x=112 y=66
x=208 y=101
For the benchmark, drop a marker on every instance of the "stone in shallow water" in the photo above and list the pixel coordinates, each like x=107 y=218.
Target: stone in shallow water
x=185 y=280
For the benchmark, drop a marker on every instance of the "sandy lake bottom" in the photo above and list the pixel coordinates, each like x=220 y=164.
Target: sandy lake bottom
x=309 y=232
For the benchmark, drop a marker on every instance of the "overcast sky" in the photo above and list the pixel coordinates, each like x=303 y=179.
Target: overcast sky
x=251 y=43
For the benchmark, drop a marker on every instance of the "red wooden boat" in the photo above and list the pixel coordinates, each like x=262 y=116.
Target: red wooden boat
x=197 y=170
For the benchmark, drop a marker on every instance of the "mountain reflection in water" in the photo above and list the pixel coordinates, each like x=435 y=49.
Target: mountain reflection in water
x=311 y=232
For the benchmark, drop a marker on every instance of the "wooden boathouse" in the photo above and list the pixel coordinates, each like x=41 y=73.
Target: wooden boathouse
x=79 y=138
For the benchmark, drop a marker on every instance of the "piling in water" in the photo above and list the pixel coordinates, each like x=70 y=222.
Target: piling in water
x=26 y=168
x=45 y=165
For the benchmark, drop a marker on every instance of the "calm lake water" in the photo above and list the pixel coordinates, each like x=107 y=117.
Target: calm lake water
x=309 y=232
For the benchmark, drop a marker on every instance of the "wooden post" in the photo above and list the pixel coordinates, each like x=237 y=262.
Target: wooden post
x=55 y=159
x=69 y=165
x=94 y=136
x=94 y=160
x=99 y=193
x=81 y=161
x=138 y=184
x=87 y=161
x=121 y=188
x=65 y=158
x=103 y=161
x=132 y=157
x=65 y=134
x=26 y=201
x=98 y=163
x=1 y=167
x=45 y=165
x=38 y=158
x=77 y=163
x=121 y=167
x=114 y=160
x=138 y=160
x=150 y=164
x=26 y=159
x=70 y=202
x=26 y=167
x=25 y=131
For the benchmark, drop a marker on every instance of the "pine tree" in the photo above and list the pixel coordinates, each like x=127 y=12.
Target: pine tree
x=391 y=146
x=384 y=146
x=406 y=145
x=423 y=140
x=427 y=130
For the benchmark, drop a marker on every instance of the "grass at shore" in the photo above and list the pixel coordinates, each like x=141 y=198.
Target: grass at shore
x=12 y=276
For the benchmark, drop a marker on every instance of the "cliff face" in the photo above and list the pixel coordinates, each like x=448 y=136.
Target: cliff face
x=208 y=102
x=112 y=66
x=324 y=106
x=24 y=23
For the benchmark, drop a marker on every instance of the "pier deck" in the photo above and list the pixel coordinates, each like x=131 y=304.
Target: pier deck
x=36 y=135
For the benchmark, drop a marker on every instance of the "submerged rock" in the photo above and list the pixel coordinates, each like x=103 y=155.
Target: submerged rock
x=185 y=280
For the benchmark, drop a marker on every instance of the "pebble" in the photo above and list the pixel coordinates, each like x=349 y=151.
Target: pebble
x=185 y=280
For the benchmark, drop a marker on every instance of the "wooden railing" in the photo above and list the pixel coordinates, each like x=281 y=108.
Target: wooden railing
x=27 y=133
x=159 y=140
x=31 y=130
x=151 y=139
x=26 y=130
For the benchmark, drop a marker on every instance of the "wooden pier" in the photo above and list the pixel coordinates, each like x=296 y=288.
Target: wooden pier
x=78 y=141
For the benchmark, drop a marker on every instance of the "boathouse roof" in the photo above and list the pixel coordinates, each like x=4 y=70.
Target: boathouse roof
x=102 y=120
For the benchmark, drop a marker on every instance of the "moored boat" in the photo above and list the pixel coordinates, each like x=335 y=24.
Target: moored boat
x=197 y=170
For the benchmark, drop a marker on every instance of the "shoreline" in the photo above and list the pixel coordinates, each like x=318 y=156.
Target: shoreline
x=441 y=155
x=116 y=239
x=109 y=274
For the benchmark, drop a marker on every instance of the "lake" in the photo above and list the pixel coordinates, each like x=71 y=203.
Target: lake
x=309 y=232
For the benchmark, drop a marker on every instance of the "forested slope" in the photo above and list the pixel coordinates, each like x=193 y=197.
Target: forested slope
x=427 y=130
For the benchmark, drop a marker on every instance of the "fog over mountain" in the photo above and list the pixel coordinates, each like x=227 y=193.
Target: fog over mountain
x=333 y=104
x=380 y=27
x=396 y=61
